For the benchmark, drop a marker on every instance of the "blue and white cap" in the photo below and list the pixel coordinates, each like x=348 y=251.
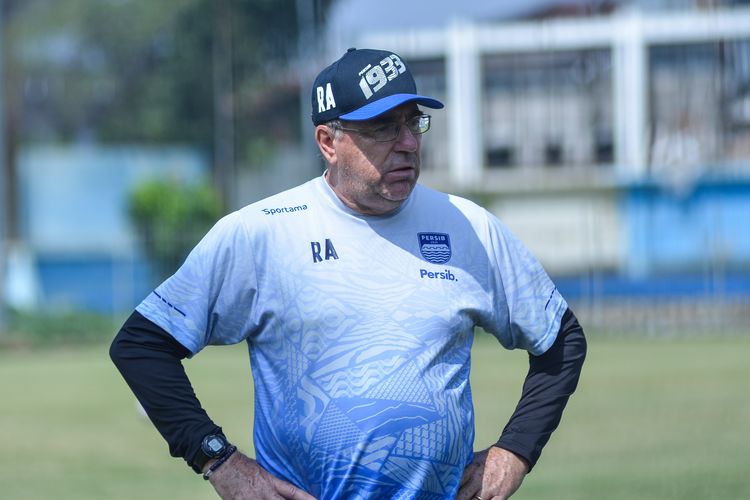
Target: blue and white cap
x=363 y=84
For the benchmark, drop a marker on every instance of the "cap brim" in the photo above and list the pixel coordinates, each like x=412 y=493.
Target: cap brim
x=387 y=103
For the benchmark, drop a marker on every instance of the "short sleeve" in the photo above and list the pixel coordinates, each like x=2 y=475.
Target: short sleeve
x=211 y=299
x=527 y=307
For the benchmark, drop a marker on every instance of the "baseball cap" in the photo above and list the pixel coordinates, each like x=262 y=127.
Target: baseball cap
x=363 y=84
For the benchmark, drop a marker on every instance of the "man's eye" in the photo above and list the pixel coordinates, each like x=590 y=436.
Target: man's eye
x=385 y=129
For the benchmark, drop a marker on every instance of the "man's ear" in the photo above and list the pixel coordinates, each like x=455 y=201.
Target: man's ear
x=324 y=136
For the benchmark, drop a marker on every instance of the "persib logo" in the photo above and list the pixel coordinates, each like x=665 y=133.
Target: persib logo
x=435 y=247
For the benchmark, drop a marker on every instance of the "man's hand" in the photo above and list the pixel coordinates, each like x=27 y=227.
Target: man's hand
x=242 y=478
x=494 y=474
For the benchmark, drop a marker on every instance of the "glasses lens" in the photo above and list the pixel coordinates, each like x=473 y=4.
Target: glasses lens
x=421 y=124
x=386 y=132
x=417 y=126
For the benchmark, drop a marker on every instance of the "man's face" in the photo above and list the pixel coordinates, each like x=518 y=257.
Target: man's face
x=372 y=177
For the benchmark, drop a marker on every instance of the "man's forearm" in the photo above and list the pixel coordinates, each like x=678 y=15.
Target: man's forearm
x=551 y=379
x=150 y=361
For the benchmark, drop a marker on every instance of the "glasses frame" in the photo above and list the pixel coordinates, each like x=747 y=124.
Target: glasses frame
x=371 y=134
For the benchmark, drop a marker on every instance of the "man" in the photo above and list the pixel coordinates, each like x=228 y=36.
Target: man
x=357 y=293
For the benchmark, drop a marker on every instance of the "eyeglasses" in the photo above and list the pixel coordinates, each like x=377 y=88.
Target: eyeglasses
x=388 y=132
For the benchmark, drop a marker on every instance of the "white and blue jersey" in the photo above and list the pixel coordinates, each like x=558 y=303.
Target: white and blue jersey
x=360 y=330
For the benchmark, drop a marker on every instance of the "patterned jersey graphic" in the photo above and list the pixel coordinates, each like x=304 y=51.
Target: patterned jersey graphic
x=360 y=366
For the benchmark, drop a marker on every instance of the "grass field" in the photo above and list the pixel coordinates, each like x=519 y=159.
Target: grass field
x=653 y=419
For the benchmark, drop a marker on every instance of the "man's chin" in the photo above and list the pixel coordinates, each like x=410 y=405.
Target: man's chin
x=399 y=191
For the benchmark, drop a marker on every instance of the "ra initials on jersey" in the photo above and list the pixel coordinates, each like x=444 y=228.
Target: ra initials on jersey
x=317 y=250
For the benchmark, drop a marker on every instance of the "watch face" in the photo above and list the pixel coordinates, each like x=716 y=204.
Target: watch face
x=214 y=445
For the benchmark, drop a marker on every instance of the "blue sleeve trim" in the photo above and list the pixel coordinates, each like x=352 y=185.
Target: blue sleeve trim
x=170 y=304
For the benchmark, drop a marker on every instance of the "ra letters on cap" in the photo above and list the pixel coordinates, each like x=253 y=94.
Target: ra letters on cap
x=325 y=98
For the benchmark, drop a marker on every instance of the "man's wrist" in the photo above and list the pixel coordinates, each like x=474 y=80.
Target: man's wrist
x=207 y=465
x=213 y=447
x=218 y=462
x=520 y=450
x=521 y=459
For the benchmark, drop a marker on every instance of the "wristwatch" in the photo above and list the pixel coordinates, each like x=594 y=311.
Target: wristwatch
x=212 y=446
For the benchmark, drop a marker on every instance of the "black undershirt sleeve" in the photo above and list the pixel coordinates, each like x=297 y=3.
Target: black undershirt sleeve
x=150 y=361
x=552 y=378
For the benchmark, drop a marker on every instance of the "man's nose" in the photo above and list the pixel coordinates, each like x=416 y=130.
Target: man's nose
x=407 y=140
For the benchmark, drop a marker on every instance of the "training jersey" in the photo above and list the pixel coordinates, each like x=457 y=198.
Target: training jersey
x=360 y=330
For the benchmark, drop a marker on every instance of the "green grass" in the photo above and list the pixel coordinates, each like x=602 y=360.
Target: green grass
x=653 y=419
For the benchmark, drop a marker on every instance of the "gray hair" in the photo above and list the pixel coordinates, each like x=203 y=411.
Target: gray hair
x=335 y=125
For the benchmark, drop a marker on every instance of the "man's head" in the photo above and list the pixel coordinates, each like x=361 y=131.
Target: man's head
x=368 y=128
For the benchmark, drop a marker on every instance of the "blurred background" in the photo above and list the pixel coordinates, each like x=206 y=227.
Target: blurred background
x=612 y=136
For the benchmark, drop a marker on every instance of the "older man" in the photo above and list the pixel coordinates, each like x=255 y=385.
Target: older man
x=357 y=294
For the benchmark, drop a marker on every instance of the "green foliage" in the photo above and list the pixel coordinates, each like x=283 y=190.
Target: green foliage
x=54 y=329
x=152 y=72
x=172 y=217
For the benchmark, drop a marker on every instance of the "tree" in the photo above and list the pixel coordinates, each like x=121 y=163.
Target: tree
x=171 y=218
x=125 y=71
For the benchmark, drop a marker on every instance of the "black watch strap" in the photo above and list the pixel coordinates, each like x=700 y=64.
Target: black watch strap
x=213 y=446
